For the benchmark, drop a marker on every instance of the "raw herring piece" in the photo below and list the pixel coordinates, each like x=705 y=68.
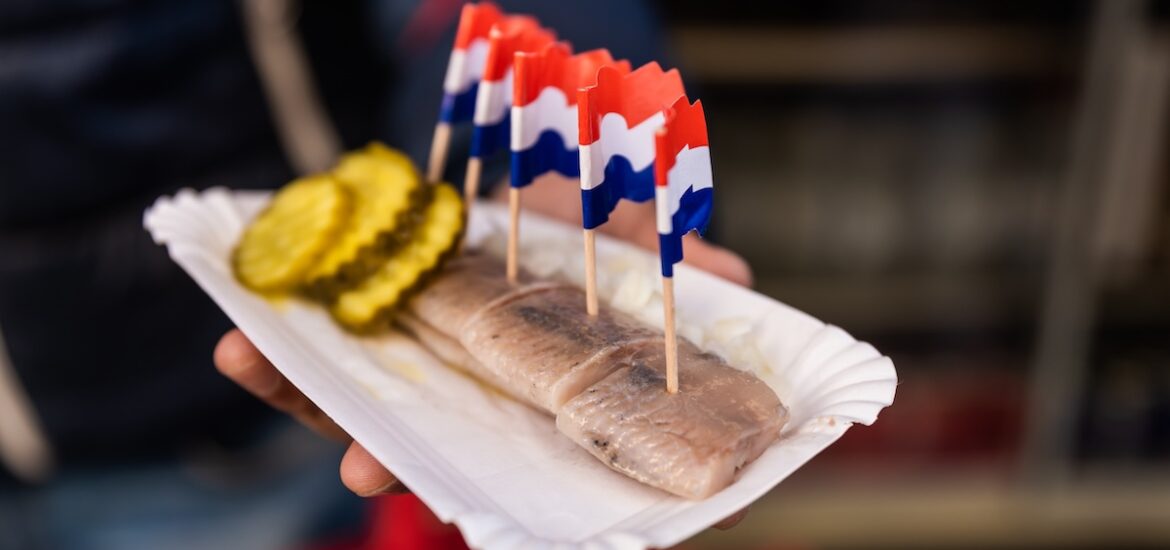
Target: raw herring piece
x=691 y=443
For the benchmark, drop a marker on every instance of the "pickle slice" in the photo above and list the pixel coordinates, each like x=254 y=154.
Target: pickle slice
x=371 y=302
x=384 y=184
x=287 y=238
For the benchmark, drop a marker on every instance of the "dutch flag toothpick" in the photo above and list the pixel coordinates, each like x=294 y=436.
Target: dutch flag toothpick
x=683 y=199
x=464 y=71
x=683 y=190
x=618 y=120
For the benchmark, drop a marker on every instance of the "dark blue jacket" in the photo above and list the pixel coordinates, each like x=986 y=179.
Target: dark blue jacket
x=107 y=104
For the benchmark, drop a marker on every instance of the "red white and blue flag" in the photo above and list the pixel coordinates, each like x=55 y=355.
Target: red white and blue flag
x=544 y=108
x=493 y=102
x=618 y=120
x=683 y=192
x=468 y=58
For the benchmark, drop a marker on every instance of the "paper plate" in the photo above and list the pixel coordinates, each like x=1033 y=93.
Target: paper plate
x=499 y=470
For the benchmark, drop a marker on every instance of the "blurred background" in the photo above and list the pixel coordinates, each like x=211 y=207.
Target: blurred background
x=977 y=188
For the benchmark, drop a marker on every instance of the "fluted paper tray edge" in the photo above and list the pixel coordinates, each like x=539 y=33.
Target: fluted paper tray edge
x=496 y=469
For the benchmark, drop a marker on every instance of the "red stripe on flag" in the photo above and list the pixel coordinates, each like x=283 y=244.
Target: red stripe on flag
x=636 y=96
x=516 y=33
x=685 y=126
x=476 y=21
x=555 y=66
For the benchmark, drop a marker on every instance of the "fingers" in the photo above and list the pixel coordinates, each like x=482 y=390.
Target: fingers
x=552 y=195
x=716 y=260
x=365 y=476
x=732 y=520
x=635 y=223
x=236 y=358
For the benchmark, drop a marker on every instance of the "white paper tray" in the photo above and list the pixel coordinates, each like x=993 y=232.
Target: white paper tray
x=499 y=470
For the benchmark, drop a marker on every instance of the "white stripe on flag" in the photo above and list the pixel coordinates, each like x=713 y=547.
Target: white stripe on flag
x=615 y=138
x=550 y=111
x=692 y=169
x=466 y=67
x=493 y=100
x=662 y=209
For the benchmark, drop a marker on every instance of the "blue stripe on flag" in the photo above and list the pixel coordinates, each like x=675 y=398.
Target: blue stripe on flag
x=546 y=155
x=486 y=140
x=694 y=213
x=457 y=108
x=620 y=182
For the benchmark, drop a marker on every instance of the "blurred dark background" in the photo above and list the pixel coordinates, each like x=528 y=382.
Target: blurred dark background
x=978 y=188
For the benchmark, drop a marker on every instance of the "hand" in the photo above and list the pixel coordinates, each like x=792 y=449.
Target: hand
x=560 y=198
x=236 y=358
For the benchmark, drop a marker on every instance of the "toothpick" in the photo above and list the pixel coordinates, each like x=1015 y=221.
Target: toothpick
x=439 y=145
x=590 y=274
x=513 y=233
x=671 y=340
x=471 y=182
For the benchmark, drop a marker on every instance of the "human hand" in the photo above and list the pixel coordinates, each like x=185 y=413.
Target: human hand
x=558 y=197
x=236 y=358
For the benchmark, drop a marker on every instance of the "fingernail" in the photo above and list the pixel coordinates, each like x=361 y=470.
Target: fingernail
x=392 y=487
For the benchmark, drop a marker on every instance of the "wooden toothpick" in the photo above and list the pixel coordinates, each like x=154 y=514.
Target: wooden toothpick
x=470 y=192
x=590 y=274
x=671 y=340
x=471 y=182
x=439 y=146
x=513 y=233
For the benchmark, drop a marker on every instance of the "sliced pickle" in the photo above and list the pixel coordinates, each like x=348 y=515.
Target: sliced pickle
x=286 y=239
x=373 y=300
x=385 y=187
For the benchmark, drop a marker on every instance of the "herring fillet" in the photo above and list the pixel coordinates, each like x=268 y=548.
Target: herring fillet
x=603 y=378
x=691 y=443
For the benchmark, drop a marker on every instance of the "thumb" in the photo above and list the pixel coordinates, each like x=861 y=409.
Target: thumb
x=365 y=476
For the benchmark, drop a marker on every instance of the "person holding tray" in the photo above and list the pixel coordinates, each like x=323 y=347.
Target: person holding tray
x=108 y=409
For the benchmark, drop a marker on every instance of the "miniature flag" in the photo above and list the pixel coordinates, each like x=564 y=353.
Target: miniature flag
x=468 y=57
x=494 y=101
x=544 y=108
x=618 y=119
x=683 y=192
